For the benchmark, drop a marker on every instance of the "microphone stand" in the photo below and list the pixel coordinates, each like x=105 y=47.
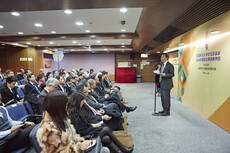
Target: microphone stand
x=155 y=105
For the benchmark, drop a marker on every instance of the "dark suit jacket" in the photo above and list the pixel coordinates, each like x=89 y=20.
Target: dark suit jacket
x=30 y=89
x=59 y=88
x=41 y=99
x=7 y=95
x=166 y=81
x=68 y=90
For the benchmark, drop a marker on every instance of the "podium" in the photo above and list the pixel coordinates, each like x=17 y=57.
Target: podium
x=126 y=75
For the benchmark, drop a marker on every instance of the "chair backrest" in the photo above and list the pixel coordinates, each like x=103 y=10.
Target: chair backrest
x=16 y=111
x=20 y=93
x=29 y=107
x=33 y=138
x=22 y=81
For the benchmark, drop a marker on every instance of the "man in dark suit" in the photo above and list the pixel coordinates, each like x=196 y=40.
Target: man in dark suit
x=166 y=84
x=61 y=84
x=9 y=91
x=32 y=87
x=67 y=86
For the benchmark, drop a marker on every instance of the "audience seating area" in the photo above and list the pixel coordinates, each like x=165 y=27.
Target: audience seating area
x=23 y=110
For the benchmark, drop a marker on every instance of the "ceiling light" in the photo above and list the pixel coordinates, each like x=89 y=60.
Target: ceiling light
x=38 y=25
x=68 y=12
x=15 y=13
x=93 y=36
x=122 y=46
x=38 y=45
x=105 y=49
x=122 y=43
x=51 y=42
x=53 y=32
x=214 y=31
x=28 y=43
x=20 y=33
x=72 y=49
x=123 y=30
x=158 y=52
x=1 y=26
x=123 y=10
x=79 y=23
x=87 y=31
x=79 y=44
x=98 y=41
x=74 y=42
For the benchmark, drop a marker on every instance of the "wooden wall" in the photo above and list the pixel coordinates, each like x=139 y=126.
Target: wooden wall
x=10 y=59
x=147 y=71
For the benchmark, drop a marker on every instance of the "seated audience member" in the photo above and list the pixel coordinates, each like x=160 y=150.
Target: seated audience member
x=112 y=89
x=91 y=74
x=81 y=70
x=9 y=91
x=62 y=74
x=55 y=133
x=81 y=77
x=8 y=74
x=61 y=84
x=20 y=74
x=8 y=128
x=84 y=127
x=74 y=84
x=41 y=71
x=41 y=79
x=108 y=83
x=32 y=86
x=91 y=96
x=51 y=85
x=55 y=73
x=106 y=98
x=67 y=86
x=27 y=72
x=49 y=75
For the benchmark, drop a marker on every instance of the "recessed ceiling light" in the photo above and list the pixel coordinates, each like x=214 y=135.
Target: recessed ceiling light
x=51 y=42
x=38 y=25
x=74 y=42
x=68 y=12
x=63 y=37
x=79 y=23
x=93 y=36
x=98 y=41
x=158 y=52
x=53 y=32
x=122 y=46
x=79 y=44
x=214 y=31
x=122 y=43
x=15 y=13
x=1 y=26
x=28 y=43
x=38 y=45
x=123 y=30
x=20 y=33
x=72 y=49
x=105 y=49
x=123 y=10
x=87 y=31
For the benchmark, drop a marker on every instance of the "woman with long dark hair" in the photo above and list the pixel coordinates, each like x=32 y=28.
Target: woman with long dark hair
x=83 y=127
x=56 y=134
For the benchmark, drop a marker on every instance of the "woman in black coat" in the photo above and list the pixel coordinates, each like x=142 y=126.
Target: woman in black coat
x=83 y=127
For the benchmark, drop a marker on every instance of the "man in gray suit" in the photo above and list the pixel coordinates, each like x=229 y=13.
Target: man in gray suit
x=166 y=84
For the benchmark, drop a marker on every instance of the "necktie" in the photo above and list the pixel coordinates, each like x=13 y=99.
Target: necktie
x=92 y=109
